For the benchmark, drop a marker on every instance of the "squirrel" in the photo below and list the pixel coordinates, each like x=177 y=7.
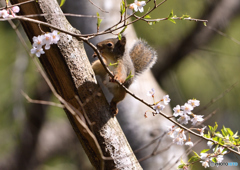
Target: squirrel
x=125 y=65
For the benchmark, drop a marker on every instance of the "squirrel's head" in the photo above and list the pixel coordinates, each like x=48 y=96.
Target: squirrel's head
x=112 y=47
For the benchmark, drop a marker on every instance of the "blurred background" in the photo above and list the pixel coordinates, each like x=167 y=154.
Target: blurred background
x=194 y=62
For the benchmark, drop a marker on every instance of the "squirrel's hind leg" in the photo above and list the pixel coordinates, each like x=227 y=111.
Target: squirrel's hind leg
x=118 y=95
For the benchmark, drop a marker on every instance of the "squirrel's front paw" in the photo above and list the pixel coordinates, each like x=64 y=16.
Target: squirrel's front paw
x=113 y=108
x=113 y=79
x=94 y=55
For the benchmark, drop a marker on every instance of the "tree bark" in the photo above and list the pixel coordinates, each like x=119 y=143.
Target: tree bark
x=70 y=73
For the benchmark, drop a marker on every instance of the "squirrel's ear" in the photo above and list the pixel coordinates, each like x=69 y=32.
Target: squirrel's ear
x=123 y=40
x=120 y=46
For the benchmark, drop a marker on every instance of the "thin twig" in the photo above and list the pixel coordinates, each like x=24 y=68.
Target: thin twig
x=174 y=18
x=61 y=14
x=98 y=6
x=18 y=4
x=223 y=34
x=218 y=97
x=187 y=152
x=150 y=143
x=41 y=101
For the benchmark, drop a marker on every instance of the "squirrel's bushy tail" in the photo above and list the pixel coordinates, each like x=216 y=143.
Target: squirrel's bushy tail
x=143 y=56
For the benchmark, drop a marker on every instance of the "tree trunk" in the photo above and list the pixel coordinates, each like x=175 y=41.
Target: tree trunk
x=70 y=72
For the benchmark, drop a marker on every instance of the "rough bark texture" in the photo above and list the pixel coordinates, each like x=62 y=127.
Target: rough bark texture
x=70 y=72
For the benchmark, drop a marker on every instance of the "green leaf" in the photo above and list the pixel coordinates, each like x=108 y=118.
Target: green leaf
x=129 y=76
x=123 y=29
x=230 y=132
x=204 y=150
x=225 y=149
x=119 y=36
x=172 y=20
x=62 y=2
x=231 y=139
x=185 y=16
x=207 y=135
x=193 y=159
x=113 y=64
x=122 y=7
x=99 y=20
x=196 y=154
x=147 y=16
x=214 y=160
x=224 y=131
x=181 y=161
x=181 y=166
x=215 y=127
x=170 y=17
x=171 y=14
x=210 y=128
x=205 y=24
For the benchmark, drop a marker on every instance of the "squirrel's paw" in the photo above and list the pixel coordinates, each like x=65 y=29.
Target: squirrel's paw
x=113 y=79
x=113 y=108
x=94 y=55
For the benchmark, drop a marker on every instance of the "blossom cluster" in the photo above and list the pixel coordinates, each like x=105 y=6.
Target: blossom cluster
x=216 y=156
x=158 y=106
x=45 y=39
x=178 y=135
x=137 y=6
x=10 y=12
x=185 y=112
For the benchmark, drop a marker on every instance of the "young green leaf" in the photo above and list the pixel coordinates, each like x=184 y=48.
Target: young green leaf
x=181 y=166
x=99 y=20
x=147 y=16
x=172 y=20
x=171 y=14
x=193 y=159
x=123 y=29
x=184 y=16
x=129 y=76
x=224 y=131
x=170 y=17
x=215 y=127
x=62 y=2
x=122 y=7
x=230 y=132
x=204 y=150
x=196 y=154
x=214 y=159
x=119 y=36
x=113 y=64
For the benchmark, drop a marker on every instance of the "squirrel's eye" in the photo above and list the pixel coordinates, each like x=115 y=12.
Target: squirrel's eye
x=109 y=44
